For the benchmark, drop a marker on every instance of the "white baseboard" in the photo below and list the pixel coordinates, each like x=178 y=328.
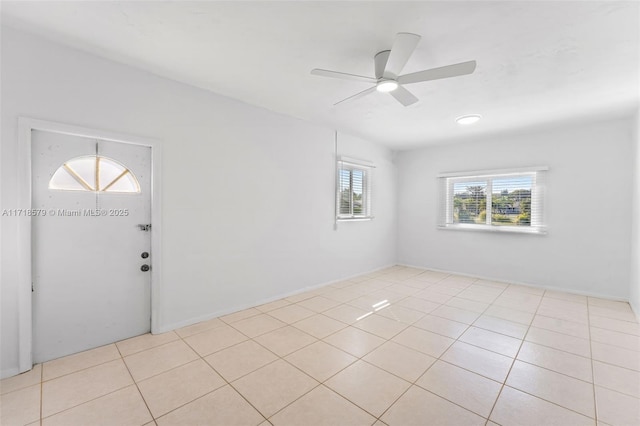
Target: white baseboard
x=554 y=288
x=9 y=372
x=635 y=308
x=169 y=327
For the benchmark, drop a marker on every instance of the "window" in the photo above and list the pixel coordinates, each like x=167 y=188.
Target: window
x=499 y=200
x=353 y=192
x=95 y=174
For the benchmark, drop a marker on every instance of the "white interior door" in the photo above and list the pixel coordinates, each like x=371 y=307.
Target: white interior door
x=90 y=286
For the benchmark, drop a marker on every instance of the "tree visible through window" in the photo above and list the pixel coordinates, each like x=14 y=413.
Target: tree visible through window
x=510 y=200
x=469 y=201
x=354 y=191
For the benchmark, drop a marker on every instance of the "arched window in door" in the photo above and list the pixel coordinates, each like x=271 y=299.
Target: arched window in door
x=94 y=173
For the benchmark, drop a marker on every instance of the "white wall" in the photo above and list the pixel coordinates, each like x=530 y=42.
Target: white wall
x=634 y=287
x=248 y=196
x=587 y=248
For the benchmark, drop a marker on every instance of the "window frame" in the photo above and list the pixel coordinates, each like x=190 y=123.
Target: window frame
x=446 y=182
x=342 y=164
x=68 y=168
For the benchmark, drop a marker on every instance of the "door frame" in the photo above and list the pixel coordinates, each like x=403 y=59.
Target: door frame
x=25 y=126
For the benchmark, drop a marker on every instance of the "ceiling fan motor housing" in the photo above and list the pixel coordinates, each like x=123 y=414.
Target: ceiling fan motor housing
x=388 y=65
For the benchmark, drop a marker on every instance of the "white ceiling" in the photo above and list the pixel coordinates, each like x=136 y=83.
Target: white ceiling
x=538 y=62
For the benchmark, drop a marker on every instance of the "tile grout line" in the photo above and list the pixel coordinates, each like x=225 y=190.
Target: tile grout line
x=278 y=358
x=386 y=340
x=550 y=402
x=616 y=331
x=361 y=358
x=543 y=399
x=298 y=398
x=222 y=377
x=466 y=369
x=322 y=383
x=458 y=340
x=41 y=390
x=593 y=375
x=88 y=401
x=504 y=383
x=554 y=371
x=80 y=369
x=522 y=340
x=413 y=383
x=68 y=374
x=136 y=384
x=514 y=359
x=379 y=418
x=438 y=358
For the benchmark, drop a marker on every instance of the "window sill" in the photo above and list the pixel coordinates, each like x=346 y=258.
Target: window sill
x=494 y=229
x=354 y=219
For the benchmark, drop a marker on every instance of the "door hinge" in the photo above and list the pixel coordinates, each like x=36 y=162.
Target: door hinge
x=32 y=287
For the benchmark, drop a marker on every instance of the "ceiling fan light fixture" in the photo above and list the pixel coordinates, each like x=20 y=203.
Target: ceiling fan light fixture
x=388 y=66
x=386 y=86
x=465 y=120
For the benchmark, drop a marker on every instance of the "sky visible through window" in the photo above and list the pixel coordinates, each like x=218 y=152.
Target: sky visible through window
x=358 y=178
x=509 y=201
x=351 y=191
x=461 y=187
x=512 y=184
x=499 y=184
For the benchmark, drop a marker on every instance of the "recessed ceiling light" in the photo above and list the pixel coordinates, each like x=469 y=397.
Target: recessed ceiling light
x=465 y=120
x=386 y=86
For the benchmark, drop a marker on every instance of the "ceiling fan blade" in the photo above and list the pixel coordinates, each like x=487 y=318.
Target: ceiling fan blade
x=404 y=96
x=380 y=62
x=455 y=70
x=342 y=75
x=403 y=47
x=357 y=95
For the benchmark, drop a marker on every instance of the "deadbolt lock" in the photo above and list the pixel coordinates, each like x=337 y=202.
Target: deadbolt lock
x=145 y=268
x=144 y=255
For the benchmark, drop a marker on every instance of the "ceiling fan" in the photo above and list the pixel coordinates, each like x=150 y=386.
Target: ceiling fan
x=389 y=64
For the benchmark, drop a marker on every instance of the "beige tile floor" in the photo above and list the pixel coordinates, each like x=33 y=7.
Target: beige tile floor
x=401 y=346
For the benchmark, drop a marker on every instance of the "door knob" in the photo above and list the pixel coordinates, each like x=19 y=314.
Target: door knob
x=144 y=255
x=144 y=268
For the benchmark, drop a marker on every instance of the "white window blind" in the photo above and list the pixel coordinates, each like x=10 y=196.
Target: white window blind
x=497 y=200
x=353 y=191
